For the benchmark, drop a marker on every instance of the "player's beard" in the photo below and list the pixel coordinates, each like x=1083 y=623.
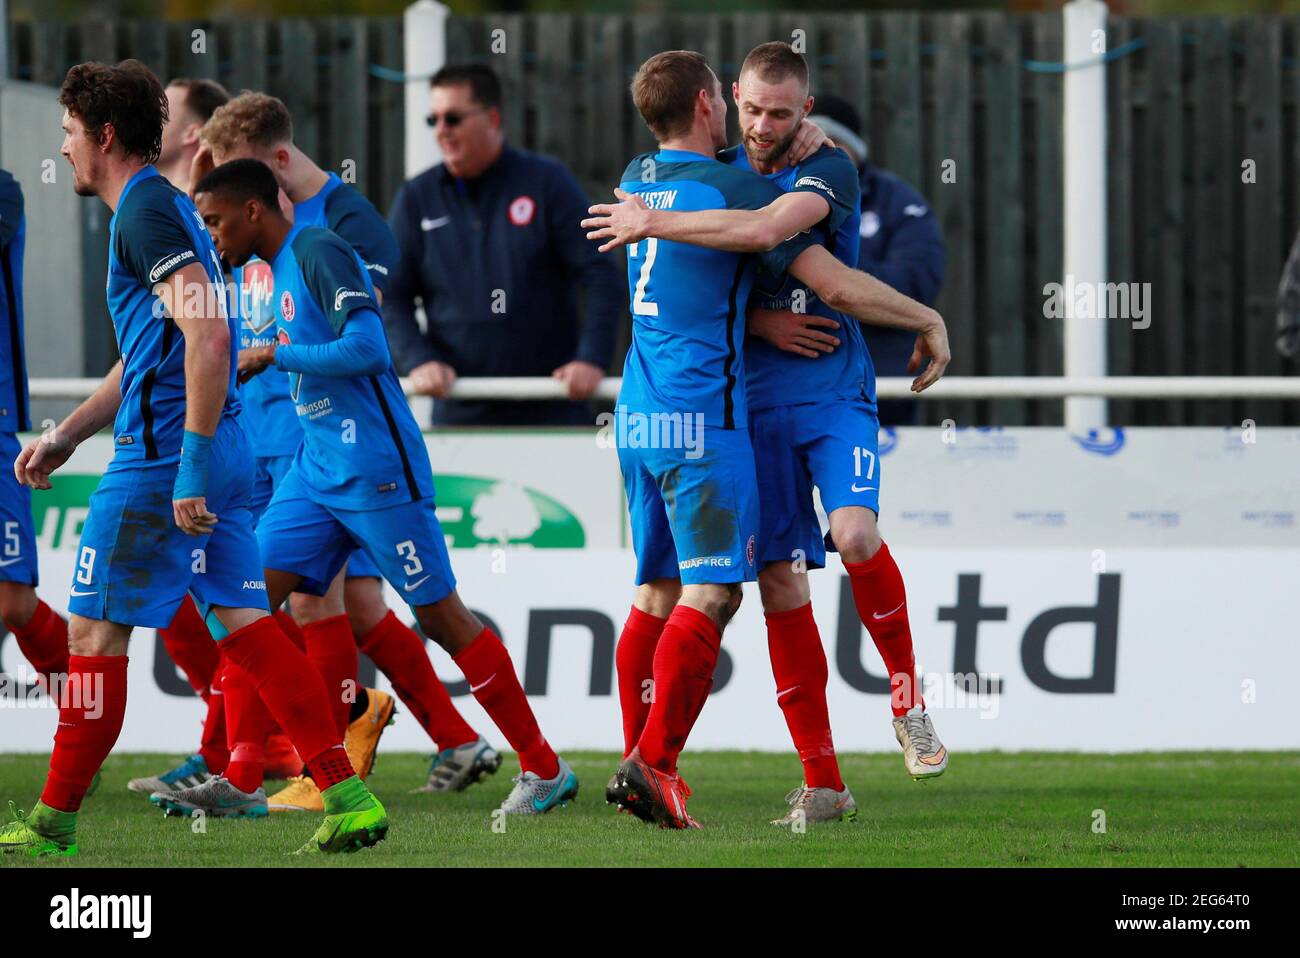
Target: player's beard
x=80 y=186
x=773 y=153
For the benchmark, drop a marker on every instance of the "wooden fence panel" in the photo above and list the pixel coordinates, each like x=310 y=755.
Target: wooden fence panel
x=951 y=190
x=1262 y=244
x=1120 y=264
x=1045 y=90
x=937 y=93
x=1002 y=326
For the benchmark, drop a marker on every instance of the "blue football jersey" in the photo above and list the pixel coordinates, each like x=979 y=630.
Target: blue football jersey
x=156 y=231
x=362 y=448
x=13 y=364
x=688 y=302
x=269 y=415
x=779 y=378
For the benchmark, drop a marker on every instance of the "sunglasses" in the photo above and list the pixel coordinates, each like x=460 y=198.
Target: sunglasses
x=451 y=118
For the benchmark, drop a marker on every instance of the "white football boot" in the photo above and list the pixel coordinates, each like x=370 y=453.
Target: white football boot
x=808 y=806
x=923 y=753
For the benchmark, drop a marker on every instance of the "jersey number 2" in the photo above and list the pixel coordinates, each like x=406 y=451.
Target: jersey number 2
x=640 y=306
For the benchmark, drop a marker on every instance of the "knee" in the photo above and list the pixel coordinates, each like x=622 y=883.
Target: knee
x=85 y=639
x=857 y=542
x=782 y=591
x=735 y=595
x=658 y=597
x=307 y=609
x=365 y=607
x=719 y=602
x=17 y=605
x=449 y=623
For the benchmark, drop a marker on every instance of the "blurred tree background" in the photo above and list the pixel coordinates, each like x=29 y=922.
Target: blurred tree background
x=199 y=9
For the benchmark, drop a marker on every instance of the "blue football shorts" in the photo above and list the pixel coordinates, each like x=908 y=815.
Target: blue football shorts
x=18 y=559
x=134 y=564
x=404 y=542
x=270 y=470
x=831 y=445
x=693 y=511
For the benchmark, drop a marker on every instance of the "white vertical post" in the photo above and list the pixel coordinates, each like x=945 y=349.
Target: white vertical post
x=1084 y=141
x=424 y=51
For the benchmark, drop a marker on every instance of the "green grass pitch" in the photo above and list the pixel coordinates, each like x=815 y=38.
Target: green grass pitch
x=1035 y=809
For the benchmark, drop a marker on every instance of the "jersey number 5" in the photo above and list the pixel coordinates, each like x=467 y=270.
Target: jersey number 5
x=640 y=306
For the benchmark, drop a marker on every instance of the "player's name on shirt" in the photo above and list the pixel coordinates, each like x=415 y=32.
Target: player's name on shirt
x=660 y=199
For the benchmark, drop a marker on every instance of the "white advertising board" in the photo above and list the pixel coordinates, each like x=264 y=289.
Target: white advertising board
x=1131 y=596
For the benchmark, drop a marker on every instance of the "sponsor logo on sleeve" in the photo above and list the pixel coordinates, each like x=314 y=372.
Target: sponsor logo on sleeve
x=169 y=263
x=815 y=183
x=342 y=295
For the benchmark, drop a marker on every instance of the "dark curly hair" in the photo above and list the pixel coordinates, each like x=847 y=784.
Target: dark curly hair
x=128 y=96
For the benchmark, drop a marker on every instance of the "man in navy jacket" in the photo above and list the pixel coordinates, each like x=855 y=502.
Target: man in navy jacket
x=491 y=244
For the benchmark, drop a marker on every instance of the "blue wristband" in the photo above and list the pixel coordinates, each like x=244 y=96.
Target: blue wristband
x=192 y=475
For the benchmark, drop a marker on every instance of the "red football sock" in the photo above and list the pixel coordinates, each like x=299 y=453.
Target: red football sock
x=881 y=599
x=91 y=706
x=683 y=674
x=295 y=634
x=330 y=767
x=44 y=642
x=399 y=653
x=290 y=628
x=492 y=679
x=333 y=651
x=190 y=645
x=213 y=747
x=291 y=688
x=248 y=724
x=800 y=669
x=247 y=766
x=635 y=659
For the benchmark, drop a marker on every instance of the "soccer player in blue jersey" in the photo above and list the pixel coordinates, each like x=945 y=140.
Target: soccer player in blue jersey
x=688 y=307
x=171 y=512
x=41 y=633
x=259 y=126
x=361 y=478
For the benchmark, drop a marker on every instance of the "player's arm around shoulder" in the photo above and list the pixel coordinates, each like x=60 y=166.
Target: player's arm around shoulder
x=870 y=301
x=742 y=228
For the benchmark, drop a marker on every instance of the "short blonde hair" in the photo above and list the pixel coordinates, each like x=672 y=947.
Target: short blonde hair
x=255 y=118
x=665 y=88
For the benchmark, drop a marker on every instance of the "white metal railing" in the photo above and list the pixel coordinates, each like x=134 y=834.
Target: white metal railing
x=951 y=387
